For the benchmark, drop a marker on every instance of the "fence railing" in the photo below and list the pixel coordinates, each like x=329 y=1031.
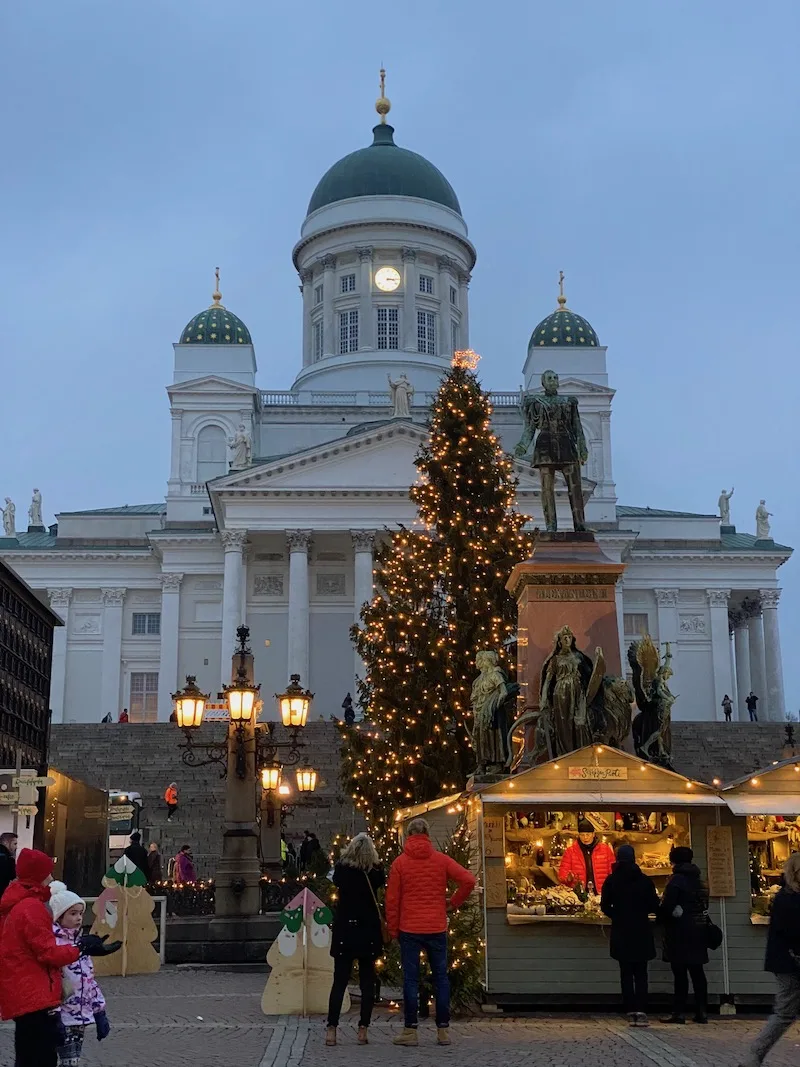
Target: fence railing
x=366 y=398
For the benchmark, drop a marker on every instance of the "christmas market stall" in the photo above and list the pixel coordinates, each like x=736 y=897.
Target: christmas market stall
x=546 y=838
x=443 y=815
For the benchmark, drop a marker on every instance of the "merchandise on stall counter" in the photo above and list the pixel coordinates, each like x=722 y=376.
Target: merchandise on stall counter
x=771 y=839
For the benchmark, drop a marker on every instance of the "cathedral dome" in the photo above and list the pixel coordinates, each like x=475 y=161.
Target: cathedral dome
x=563 y=327
x=384 y=169
x=215 y=326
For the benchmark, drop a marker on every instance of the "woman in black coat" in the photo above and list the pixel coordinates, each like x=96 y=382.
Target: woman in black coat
x=357 y=932
x=683 y=914
x=783 y=959
x=628 y=899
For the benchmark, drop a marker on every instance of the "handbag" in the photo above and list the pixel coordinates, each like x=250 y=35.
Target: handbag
x=713 y=934
x=386 y=937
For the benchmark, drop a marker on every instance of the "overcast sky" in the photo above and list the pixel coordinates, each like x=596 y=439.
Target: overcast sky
x=650 y=150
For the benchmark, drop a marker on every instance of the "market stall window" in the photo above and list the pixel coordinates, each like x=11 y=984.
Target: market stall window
x=556 y=861
x=771 y=838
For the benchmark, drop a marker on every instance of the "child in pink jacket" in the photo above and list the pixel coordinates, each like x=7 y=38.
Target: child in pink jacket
x=82 y=1003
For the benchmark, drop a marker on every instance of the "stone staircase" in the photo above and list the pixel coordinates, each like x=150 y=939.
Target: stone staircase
x=727 y=750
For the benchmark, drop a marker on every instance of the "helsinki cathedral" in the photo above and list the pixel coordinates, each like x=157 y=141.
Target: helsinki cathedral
x=275 y=500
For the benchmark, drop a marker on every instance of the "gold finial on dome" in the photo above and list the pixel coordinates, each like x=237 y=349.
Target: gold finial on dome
x=383 y=105
x=562 y=300
x=216 y=296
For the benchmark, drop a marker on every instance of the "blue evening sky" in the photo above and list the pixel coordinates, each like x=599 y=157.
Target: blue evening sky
x=648 y=149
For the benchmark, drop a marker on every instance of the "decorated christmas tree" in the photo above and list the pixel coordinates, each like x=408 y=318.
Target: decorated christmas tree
x=440 y=597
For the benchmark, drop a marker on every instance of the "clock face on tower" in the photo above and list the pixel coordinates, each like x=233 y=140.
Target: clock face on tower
x=387 y=279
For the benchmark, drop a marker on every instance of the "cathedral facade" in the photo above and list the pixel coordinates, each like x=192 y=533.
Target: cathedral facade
x=275 y=500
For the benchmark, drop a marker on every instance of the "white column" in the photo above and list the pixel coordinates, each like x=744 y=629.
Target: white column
x=366 y=318
x=623 y=652
x=758 y=664
x=363 y=544
x=328 y=332
x=463 y=303
x=233 y=542
x=668 y=622
x=772 y=654
x=113 y=599
x=734 y=694
x=59 y=602
x=168 y=681
x=605 y=438
x=307 y=289
x=720 y=647
x=741 y=641
x=446 y=267
x=299 y=542
x=247 y=555
x=175 y=457
x=410 y=284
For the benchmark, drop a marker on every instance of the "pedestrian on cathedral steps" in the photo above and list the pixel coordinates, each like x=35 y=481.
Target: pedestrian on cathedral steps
x=752 y=706
x=727 y=707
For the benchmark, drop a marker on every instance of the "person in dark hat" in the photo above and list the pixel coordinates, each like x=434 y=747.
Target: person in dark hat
x=628 y=899
x=587 y=861
x=137 y=853
x=682 y=912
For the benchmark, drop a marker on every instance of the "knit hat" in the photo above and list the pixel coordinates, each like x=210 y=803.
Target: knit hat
x=585 y=827
x=33 y=866
x=680 y=854
x=625 y=854
x=62 y=899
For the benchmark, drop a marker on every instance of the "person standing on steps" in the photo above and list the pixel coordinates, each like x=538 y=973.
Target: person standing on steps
x=8 y=870
x=357 y=930
x=752 y=706
x=185 y=872
x=683 y=914
x=154 y=872
x=727 y=707
x=171 y=799
x=783 y=959
x=136 y=852
x=416 y=914
x=628 y=899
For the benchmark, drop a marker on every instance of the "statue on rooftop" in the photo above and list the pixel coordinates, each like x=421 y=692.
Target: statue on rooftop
x=724 y=504
x=401 y=395
x=9 y=518
x=762 y=522
x=35 y=509
x=242 y=448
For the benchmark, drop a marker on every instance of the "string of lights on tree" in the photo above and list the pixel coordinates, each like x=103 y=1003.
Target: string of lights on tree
x=440 y=596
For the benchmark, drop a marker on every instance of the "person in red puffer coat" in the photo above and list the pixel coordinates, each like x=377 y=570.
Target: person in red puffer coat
x=416 y=913
x=586 y=860
x=31 y=961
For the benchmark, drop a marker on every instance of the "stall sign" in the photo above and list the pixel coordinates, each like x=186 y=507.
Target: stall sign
x=598 y=774
x=719 y=856
x=495 y=885
x=10 y=796
x=493 y=836
x=40 y=783
x=27 y=809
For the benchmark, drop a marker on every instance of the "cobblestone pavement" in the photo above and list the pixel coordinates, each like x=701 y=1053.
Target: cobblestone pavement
x=187 y=1018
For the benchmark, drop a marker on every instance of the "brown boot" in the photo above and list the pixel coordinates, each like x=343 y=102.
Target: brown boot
x=362 y=1036
x=443 y=1036
x=330 y=1035
x=407 y=1037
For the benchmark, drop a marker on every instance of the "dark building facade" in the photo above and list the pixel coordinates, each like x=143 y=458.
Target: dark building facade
x=26 y=655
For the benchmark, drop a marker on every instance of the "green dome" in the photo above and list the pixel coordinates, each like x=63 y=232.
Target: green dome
x=563 y=327
x=383 y=169
x=215 y=326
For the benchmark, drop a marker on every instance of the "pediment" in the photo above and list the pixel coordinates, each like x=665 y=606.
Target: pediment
x=210 y=384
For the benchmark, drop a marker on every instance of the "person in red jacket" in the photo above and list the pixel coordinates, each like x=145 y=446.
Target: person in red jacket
x=31 y=961
x=416 y=913
x=586 y=860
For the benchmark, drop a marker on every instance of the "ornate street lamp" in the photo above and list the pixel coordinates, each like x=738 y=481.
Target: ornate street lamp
x=271 y=777
x=294 y=703
x=190 y=703
x=306 y=779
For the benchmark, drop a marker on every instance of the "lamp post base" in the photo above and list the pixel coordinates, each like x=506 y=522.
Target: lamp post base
x=238 y=891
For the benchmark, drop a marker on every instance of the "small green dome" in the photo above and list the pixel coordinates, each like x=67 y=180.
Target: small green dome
x=216 y=326
x=383 y=169
x=563 y=327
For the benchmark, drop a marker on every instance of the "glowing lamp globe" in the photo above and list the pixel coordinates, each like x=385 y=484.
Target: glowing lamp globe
x=271 y=777
x=306 y=779
x=189 y=703
x=241 y=700
x=294 y=703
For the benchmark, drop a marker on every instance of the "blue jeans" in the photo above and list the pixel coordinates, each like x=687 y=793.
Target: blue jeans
x=435 y=947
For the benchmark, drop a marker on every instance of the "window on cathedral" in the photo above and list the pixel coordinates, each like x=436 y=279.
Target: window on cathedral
x=348 y=283
x=146 y=623
x=635 y=623
x=454 y=335
x=425 y=283
x=388 y=328
x=426 y=332
x=454 y=296
x=316 y=341
x=212 y=453
x=318 y=293
x=348 y=332
x=143 y=703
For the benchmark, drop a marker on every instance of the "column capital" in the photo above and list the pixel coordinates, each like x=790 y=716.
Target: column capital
x=408 y=255
x=718 y=598
x=305 y=276
x=176 y=413
x=363 y=540
x=233 y=540
x=113 y=597
x=298 y=540
x=464 y=278
x=171 y=582
x=736 y=619
x=365 y=253
x=328 y=262
x=59 y=598
x=666 y=598
x=751 y=607
x=605 y=416
x=446 y=263
x=769 y=598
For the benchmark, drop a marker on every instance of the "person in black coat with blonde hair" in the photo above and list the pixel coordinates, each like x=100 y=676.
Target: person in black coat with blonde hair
x=628 y=899
x=683 y=913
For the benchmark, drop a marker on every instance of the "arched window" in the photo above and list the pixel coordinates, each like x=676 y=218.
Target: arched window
x=212 y=453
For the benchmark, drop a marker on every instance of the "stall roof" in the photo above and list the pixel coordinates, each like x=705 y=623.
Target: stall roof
x=773 y=791
x=777 y=765
x=763 y=804
x=602 y=799
x=431 y=805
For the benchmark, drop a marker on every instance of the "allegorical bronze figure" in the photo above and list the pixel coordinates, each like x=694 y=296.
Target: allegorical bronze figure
x=560 y=446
